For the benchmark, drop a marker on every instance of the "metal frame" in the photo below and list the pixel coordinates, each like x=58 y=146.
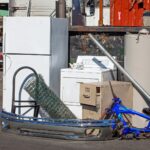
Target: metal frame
x=19 y=102
x=118 y=111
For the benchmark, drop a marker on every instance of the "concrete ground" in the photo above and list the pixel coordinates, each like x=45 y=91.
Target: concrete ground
x=10 y=141
x=15 y=142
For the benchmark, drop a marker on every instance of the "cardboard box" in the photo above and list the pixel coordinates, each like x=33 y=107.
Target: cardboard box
x=90 y=112
x=95 y=108
x=89 y=93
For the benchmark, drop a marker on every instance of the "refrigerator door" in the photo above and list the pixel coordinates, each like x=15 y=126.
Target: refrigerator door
x=11 y=63
x=27 y=35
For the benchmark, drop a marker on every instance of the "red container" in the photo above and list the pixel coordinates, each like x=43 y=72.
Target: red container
x=146 y=4
x=122 y=14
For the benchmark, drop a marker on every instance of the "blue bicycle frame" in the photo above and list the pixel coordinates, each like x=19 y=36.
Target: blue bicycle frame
x=118 y=110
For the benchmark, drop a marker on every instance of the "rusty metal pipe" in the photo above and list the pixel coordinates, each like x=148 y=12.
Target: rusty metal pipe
x=100 y=12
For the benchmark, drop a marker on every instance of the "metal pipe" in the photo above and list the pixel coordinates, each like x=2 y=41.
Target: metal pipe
x=62 y=8
x=57 y=9
x=100 y=12
x=11 y=5
x=134 y=82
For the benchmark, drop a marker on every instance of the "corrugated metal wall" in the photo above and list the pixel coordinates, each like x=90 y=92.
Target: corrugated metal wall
x=42 y=7
x=35 y=7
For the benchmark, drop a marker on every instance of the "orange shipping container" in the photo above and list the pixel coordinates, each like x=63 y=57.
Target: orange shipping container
x=126 y=13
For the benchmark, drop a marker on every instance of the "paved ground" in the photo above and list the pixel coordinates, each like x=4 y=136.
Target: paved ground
x=16 y=142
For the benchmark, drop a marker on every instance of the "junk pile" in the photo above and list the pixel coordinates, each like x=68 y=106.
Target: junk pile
x=47 y=99
x=71 y=128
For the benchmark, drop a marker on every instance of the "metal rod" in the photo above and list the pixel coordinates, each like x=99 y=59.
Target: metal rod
x=134 y=82
x=25 y=101
x=22 y=106
x=100 y=12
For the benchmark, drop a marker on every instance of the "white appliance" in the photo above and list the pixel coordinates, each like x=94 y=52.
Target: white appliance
x=37 y=42
x=71 y=79
x=137 y=47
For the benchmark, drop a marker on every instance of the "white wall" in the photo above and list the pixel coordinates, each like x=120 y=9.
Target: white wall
x=93 y=20
x=4 y=1
x=38 y=7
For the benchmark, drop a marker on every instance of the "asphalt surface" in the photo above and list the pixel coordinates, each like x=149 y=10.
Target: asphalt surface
x=17 y=142
x=10 y=141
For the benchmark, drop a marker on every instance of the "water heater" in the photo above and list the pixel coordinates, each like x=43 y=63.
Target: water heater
x=137 y=61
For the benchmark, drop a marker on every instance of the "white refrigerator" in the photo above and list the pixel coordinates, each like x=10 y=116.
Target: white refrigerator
x=37 y=42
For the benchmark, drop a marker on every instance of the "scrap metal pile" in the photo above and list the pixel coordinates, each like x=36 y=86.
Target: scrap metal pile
x=69 y=129
x=74 y=129
x=65 y=126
